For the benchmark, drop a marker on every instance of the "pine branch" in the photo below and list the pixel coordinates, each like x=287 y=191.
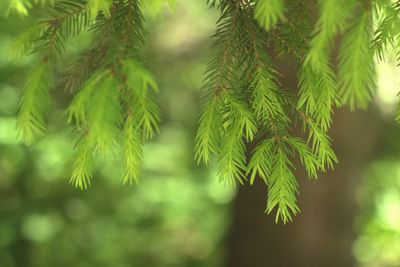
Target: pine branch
x=219 y=77
x=282 y=186
x=141 y=85
x=318 y=94
x=114 y=104
x=232 y=160
x=34 y=104
x=120 y=87
x=96 y=110
x=388 y=29
x=77 y=110
x=226 y=104
x=308 y=158
x=237 y=110
x=99 y=6
x=332 y=20
x=78 y=71
x=132 y=152
x=267 y=98
x=62 y=21
x=22 y=45
x=269 y=12
x=356 y=63
x=293 y=36
x=104 y=117
x=320 y=142
x=261 y=161
x=83 y=166
x=208 y=133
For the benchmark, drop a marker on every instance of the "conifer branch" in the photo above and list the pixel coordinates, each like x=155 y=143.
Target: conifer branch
x=132 y=152
x=356 y=63
x=388 y=29
x=219 y=77
x=83 y=166
x=282 y=185
x=318 y=93
x=114 y=109
x=34 y=104
x=332 y=20
x=269 y=12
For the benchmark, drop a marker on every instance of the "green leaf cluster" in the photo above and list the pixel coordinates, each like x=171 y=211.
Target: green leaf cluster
x=246 y=106
x=113 y=109
x=250 y=124
x=263 y=142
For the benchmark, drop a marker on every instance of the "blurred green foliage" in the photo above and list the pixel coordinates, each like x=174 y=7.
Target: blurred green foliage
x=178 y=214
x=378 y=221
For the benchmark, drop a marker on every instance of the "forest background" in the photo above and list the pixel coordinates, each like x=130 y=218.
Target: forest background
x=180 y=215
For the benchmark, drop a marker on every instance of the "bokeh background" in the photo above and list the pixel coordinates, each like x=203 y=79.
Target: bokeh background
x=179 y=215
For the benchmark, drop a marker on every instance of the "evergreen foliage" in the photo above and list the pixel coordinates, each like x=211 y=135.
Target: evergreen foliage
x=247 y=120
x=34 y=104
x=268 y=13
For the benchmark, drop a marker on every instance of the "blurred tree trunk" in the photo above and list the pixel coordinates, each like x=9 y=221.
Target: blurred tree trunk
x=322 y=234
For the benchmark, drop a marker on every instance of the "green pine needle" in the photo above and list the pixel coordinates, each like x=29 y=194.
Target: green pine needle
x=77 y=110
x=142 y=86
x=356 y=64
x=114 y=107
x=208 y=132
x=232 y=160
x=99 y=6
x=282 y=187
x=104 y=118
x=132 y=153
x=269 y=12
x=308 y=159
x=261 y=161
x=34 y=104
x=318 y=93
x=82 y=170
x=332 y=20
